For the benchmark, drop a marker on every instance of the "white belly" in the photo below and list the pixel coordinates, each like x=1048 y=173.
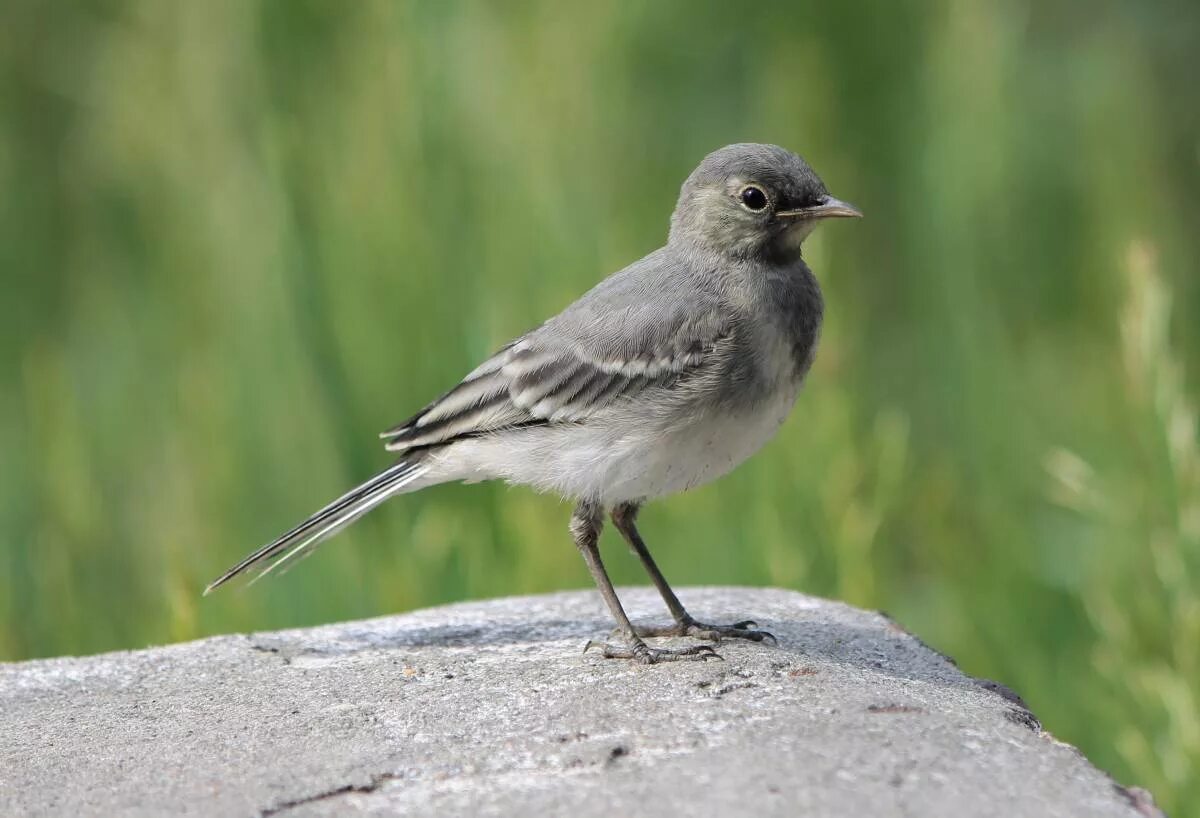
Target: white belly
x=696 y=453
x=626 y=458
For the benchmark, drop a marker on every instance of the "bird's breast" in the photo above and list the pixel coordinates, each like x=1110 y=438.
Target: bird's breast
x=802 y=309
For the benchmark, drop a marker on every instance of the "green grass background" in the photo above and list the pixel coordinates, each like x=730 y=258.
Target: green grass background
x=239 y=238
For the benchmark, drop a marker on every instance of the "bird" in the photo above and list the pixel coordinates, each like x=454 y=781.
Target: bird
x=664 y=376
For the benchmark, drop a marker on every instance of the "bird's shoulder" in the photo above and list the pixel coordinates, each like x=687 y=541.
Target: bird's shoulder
x=662 y=311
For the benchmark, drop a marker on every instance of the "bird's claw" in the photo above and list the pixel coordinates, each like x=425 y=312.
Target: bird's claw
x=746 y=629
x=643 y=654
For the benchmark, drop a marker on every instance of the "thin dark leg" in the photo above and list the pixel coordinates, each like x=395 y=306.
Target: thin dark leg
x=586 y=523
x=624 y=517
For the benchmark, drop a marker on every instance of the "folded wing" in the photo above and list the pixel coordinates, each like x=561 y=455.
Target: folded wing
x=569 y=370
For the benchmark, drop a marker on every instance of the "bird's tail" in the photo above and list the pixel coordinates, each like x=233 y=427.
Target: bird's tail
x=302 y=539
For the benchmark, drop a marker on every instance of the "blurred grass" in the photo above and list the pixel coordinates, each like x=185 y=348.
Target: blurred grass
x=238 y=238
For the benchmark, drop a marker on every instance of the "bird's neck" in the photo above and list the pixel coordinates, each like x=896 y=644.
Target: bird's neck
x=782 y=251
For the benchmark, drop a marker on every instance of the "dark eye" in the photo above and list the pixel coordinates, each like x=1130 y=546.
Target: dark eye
x=753 y=197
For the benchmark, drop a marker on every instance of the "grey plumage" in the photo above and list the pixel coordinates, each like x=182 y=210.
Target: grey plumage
x=665 y=375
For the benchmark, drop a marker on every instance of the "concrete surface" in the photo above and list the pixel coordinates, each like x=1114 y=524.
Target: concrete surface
x=489 y=708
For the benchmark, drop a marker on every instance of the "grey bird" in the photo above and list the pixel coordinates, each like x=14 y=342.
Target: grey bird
x=666 y=375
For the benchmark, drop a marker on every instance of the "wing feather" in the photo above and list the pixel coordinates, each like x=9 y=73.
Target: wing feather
x=561 y=390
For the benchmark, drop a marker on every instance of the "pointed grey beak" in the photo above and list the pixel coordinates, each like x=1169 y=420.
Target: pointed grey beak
x=829 y=208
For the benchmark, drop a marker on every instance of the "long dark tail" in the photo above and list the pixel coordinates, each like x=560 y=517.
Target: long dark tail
x=305 y=537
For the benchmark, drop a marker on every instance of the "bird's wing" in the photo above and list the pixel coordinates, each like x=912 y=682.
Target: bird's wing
x=607 y=347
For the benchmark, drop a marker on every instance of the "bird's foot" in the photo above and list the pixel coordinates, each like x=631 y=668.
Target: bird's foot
x=746 y=629
x=643 y=654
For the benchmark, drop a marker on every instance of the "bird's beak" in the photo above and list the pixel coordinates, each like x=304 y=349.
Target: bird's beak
x=829 y=208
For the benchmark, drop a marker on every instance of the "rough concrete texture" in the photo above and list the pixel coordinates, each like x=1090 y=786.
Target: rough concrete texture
x=490 y=708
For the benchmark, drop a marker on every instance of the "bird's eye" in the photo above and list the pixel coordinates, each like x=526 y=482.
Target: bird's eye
x=753 y=197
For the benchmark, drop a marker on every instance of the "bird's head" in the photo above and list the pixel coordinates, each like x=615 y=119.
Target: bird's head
x=752 y=201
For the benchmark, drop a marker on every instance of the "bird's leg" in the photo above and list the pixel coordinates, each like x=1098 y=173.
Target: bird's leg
x=586 y=523
x=623 y=517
